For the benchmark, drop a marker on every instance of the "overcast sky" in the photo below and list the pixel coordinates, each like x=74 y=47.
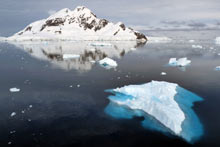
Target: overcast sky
x=16 y=14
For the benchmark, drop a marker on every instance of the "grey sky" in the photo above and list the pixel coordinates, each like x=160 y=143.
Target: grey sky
x=16 y=14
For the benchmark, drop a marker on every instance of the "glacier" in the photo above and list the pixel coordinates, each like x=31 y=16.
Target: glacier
x=165 y=106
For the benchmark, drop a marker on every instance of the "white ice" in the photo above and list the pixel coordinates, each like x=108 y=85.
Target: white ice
x=217 y=40
x=163 y=73
x=197 y=46
x=156 y=99
x=70 y=56
x=108 y=62
x=180 y=62
x=13 y=114
x=14 y=89
x=217 y=68
x=100 y=44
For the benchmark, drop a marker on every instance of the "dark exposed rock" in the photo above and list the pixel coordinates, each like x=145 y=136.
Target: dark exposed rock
x=28 y=28
x=20 y=33
x=58 y=32
x=102 y=24
x=116 y=32
x=53 y=22
x=123 y=26
x=140 y=36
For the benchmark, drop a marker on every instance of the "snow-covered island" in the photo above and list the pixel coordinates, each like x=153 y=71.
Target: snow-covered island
x=79 y=24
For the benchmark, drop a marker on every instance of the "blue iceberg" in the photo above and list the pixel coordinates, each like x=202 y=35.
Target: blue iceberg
x=166 y=107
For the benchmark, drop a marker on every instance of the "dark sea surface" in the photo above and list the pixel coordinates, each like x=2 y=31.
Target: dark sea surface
x=62 y=103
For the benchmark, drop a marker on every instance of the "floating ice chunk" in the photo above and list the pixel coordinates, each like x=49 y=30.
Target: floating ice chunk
x=100 y=44
x=163 y=73
x=70 y=56
x=217 y=40
x=217 y=68
x=168 y=104
x=180 y=62
x=197 y=46
x=13 y=114
x=108 y=63
x=14 y=89
x=172 y=61
x=191 y=41
x=183 y=62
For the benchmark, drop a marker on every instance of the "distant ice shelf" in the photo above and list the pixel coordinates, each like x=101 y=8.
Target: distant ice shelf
x=158 y=39
x=165 y=106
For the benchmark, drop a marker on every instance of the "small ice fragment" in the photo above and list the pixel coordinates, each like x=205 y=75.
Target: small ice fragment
x=30 y=106
x=13 y=114
x=14 y=89
x=217 y=68
x=78 y=86
x=163 y=73
x=219 y=54
x=22 y=111
x=9 y=142
x=71 y=86
x=70 y=56
x=197 y=46
x=29 y=120
x=108 y=63
x=12 y=132
x=191 y=41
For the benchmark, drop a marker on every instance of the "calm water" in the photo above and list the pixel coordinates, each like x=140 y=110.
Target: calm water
x=68 y=98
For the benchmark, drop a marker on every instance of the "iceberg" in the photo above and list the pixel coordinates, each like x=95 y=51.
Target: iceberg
x=180 y=62
x=165 y=106
x=217 y=68
x=108 y=63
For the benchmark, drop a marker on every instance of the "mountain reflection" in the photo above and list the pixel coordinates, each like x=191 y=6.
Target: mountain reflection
x=89 y=53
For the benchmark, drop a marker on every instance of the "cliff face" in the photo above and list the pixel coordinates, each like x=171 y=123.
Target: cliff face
x=79 y=24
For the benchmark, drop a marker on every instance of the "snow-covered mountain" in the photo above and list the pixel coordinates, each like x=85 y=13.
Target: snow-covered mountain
x=79 y=24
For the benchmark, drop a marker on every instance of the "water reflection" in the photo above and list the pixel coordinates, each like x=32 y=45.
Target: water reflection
x=89 y=53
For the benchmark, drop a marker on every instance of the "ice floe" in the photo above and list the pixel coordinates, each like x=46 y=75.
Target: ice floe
x=163 y=73
x=217 y=68
x=165 y=106
x=180 y=62
x=14 y=89
x=197 y=46
x=191 y=41
x=108 y=63
x=13 y=114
